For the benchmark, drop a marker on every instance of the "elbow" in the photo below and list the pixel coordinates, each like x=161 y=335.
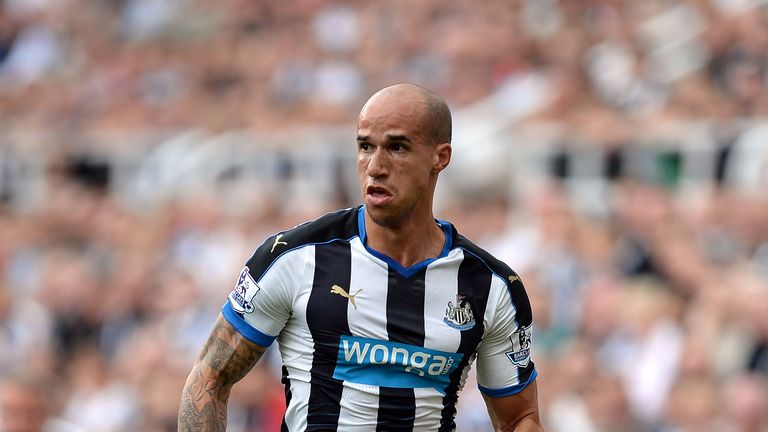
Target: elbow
x=526 y=422
x=203 y=378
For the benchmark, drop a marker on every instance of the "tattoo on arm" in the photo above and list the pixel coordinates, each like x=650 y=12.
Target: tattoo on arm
x=225 y=359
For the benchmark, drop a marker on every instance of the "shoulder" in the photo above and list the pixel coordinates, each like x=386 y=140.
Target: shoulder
x=498 y=267
x=511 y=280
x=340 y=225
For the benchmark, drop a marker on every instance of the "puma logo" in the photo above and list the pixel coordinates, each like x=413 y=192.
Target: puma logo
x=513 y=278
x=278 y=242
x=340 y=291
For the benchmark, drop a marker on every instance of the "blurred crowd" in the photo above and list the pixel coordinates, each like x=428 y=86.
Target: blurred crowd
x=242 y=63
x=650 y=315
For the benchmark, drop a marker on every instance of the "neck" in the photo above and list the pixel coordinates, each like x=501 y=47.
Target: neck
x=415 y=240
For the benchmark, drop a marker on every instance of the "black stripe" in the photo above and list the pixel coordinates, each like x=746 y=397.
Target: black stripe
x=405 y=308
x=474 y=283
x=405 y=324
x=327 y=321
x=515 y=286
x=524 y=374
x=523 y=315
x=397 y=410
x=287 y=385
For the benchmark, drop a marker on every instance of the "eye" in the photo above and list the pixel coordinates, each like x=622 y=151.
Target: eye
x=396 y=147
x=364 y=146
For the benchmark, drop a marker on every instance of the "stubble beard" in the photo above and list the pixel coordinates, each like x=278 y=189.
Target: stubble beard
x=391 y=220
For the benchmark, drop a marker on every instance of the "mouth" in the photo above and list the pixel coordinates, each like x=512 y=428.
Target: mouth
x=378 y=195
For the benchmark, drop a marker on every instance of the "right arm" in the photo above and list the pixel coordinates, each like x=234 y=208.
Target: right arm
x=226 y=357
x=518 y=412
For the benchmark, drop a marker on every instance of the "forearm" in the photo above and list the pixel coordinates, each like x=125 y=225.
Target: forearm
x=529 y=423
x=225 y=359
x=203 y=404
x=515 y=413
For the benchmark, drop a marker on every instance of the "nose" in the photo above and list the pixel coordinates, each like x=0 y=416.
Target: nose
x=378 y=165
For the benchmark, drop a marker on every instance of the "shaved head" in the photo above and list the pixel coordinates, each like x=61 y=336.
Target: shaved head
x=437 y=115
x=403 y=143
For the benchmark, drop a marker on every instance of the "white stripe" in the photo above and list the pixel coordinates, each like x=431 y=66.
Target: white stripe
x=295 y=341
x=494 y=369
x=359 y=407
x=428 y=401
x=296 y=413
x=369 y=276
x=440 y=287
x=368 y=281
x=272 y=302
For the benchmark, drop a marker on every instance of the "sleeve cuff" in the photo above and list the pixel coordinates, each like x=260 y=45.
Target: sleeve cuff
x=244 y=328
x=508 y=391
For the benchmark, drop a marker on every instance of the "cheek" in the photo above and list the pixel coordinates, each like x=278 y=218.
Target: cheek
x=412 y=176
x=362 y=163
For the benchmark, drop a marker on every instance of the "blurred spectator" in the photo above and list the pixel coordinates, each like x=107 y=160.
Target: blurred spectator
x=23 y=405
x=27 y=405
x=25 y=333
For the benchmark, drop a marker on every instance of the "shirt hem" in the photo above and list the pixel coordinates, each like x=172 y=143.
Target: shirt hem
x=244 y=328
x=508 y=391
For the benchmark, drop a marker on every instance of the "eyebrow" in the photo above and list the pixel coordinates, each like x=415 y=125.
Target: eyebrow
x=398 y=138
x=362 y=138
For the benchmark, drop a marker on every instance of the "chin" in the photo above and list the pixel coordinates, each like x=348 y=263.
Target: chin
x=388 y=218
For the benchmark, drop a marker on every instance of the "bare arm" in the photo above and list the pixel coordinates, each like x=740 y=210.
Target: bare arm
x=225 y=359
x=519 y=412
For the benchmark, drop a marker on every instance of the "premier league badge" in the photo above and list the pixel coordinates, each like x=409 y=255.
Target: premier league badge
x=245 y=289
x=521 y=346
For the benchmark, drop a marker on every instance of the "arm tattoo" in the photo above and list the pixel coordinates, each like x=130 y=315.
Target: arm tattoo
x=225 y=360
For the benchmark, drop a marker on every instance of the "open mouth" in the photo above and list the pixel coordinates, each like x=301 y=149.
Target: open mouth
x=378 y=195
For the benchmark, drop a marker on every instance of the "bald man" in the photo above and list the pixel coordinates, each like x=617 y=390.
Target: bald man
x=379 y=310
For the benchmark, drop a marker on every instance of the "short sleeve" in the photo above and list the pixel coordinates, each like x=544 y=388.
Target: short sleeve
x=504 y=364
x=261 y=301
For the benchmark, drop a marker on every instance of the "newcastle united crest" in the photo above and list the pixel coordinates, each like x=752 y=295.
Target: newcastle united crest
x=459 y=315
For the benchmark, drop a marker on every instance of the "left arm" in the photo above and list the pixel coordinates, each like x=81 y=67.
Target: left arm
x=516 y=413
x=506 y=373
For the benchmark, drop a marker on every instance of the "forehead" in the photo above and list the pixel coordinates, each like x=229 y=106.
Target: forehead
x=392 y=113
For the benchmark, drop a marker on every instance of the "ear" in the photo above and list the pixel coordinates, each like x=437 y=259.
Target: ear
x=442 y=157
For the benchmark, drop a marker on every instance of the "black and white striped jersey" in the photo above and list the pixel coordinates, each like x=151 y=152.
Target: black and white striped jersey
x=367 y=344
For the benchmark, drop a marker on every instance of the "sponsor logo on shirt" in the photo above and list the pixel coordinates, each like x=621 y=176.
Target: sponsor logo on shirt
x=521 y=346
x=459 y=315
x=391 y=364
x=342 y=292
x=278 y=243
x=242 y=295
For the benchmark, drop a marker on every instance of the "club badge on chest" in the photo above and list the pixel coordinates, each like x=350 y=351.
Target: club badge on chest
x=459 y=315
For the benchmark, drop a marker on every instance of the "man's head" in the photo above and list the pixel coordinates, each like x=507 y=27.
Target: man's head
x=404 y=141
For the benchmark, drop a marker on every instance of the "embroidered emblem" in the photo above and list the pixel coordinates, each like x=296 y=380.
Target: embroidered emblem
x=459 y=315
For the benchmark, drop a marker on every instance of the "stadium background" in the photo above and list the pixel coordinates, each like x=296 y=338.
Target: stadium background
x=614 y=152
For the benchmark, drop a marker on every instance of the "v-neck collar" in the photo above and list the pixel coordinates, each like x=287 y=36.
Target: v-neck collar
x=406 y=272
